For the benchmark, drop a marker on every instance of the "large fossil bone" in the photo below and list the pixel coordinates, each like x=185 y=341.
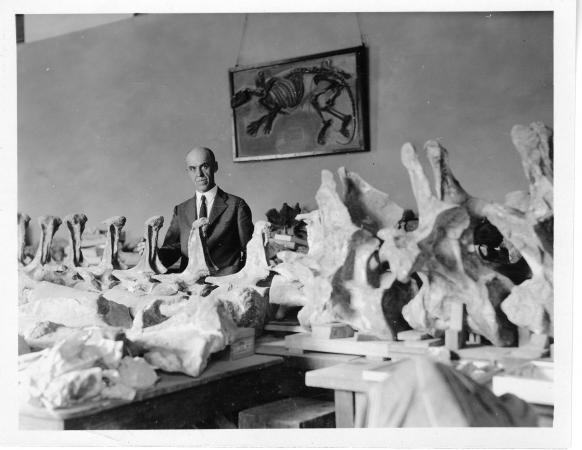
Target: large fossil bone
x=110 y=258
x=139 y=278
x=340 y=278
x=359 y=289
x=167 y=287
x=76 y=225
x=256 y=266
x=48 y=227
x=69 y=307
x=530 y=230
x=41 y=268
x=494 y=285
x=329 y=230
x=243 y=294
x=23 y=220
x=440 y=249
x=526 y=223
x=368 y=207
x=197 y=268
x=103 y=272
x=184 y=340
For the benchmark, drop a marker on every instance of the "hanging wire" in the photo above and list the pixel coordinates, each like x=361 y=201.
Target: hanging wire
x=360 y=29
x=244 y=29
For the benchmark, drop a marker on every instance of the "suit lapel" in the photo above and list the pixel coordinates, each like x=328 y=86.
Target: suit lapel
x=191 y=212
x=218 y=206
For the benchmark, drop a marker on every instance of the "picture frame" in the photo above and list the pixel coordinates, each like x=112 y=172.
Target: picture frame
x=298 y=107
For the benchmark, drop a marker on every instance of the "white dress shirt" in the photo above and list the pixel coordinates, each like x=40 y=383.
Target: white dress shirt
x=210 y=195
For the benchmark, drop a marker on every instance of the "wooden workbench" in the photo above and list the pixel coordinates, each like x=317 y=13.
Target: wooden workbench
x=177 y=400
x=351 y=389
x=275 y=346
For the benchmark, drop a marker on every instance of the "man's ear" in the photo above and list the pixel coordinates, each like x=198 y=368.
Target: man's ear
x=215 y=166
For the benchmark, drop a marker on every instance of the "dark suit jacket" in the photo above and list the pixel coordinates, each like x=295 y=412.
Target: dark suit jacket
x=230 y=227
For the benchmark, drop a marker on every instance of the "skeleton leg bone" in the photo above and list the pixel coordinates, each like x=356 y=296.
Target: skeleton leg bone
x=23 y=220
x=110 y=259
x=138 y=278
x=48 y=227
x=76 y=225
x=197 y=268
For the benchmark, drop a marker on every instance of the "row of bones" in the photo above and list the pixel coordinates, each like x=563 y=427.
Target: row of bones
x=438 y=251
x=148 y=275
x=75 y=272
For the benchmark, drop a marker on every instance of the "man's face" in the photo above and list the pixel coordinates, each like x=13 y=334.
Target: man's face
x=201 y=169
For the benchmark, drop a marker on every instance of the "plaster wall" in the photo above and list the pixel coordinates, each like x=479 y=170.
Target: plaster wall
x=106 y=115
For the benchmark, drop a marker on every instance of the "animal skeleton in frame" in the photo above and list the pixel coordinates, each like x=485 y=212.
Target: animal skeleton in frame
x=304 y=106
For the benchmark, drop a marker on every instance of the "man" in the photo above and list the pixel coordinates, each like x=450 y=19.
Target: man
x=229 y=227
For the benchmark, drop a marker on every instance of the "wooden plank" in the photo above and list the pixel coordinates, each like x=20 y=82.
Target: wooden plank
x=344 y=409
x=167 y=384
x=274 y=326
x=331 y=331
x=347 y=376
x=294 y=412
x=304 y=360
x=371 y=348
x=532 y=381
x=413 y=335
x=304 y=342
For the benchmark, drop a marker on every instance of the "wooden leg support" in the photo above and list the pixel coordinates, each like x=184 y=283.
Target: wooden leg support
x=344 y=409
x=361 y=407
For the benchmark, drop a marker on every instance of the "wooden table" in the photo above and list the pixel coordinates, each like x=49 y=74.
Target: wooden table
x=268 y=345
x=177 y=400
x=349 y=386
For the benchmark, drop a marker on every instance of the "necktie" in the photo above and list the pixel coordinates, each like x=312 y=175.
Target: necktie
x=203 y=212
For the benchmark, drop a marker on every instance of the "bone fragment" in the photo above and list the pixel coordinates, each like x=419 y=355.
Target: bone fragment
x=256 y=266
x=439 y=248
x=526 y=222
x=368 y=207
x=103 y=272
x=140 y=276
x=70 y=307
x=241 y=292
x=197 y=268
x=286 y=291
x=357 y=298
x=23 y=220
x=137 y=300
x=76 y=225
x=110 y=258
x=183 y=341
x=340 y=279
x=48 y=227
x=84 y=367
x=534 y=144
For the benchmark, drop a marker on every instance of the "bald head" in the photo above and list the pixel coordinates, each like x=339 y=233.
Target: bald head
x=201 y=165
x=201 y=152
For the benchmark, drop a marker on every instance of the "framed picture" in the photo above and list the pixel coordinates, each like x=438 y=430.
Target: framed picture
x=311 y=105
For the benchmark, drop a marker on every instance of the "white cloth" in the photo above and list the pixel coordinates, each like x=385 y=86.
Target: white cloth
x=210 y=195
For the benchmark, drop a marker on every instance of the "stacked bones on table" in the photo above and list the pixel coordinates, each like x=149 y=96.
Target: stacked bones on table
x=176 y=321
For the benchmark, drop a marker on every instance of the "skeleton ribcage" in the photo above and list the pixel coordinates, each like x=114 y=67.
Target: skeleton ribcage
x=287 y=92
